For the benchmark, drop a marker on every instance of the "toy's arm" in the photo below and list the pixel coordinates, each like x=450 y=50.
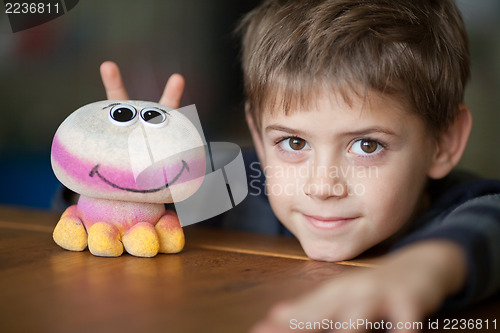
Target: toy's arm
x=113 y=84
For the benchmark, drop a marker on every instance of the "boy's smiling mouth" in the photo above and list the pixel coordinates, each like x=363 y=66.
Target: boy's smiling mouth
x=328 y=222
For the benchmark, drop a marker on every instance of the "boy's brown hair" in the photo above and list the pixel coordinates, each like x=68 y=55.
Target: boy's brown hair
x=414 y=50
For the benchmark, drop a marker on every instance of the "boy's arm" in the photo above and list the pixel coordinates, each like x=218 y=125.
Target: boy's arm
x=408 y=285
x=475 y=227
x=457 y=253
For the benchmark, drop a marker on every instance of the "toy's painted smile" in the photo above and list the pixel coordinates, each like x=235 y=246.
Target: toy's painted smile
x=95 y=171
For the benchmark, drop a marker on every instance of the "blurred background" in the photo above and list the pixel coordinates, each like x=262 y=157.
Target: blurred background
x=48 y=71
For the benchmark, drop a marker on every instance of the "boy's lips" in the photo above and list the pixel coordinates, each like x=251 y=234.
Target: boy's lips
x=328 y=222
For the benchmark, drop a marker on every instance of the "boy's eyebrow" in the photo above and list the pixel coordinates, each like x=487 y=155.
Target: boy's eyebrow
x=283 y=129
x=370 y=130
x=361 y=132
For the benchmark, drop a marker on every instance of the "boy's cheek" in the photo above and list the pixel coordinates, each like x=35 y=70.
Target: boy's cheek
x=284 y=183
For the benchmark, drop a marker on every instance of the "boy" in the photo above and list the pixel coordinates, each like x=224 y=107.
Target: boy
x=355 y=109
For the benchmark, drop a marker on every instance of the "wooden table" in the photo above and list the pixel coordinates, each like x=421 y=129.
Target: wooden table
x=223 y=281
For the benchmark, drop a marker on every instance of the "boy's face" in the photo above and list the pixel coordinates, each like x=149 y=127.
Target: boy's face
x=344 y=178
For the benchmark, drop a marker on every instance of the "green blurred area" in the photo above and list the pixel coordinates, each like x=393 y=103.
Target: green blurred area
x=49 y=71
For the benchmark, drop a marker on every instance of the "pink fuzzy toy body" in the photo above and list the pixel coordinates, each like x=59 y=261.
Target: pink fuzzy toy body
x=121 y=214
x=126 y=159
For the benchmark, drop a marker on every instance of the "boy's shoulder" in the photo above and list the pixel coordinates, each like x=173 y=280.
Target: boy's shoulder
x=458 y=188
x=254 y=214
x=451 y=192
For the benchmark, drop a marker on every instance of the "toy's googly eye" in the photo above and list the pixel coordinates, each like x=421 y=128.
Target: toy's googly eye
x=123 y=115
x=154 y=117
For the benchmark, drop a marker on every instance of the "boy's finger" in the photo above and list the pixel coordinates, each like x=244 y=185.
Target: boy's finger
x=112 y=80
x=407 y=314
x=173 y=91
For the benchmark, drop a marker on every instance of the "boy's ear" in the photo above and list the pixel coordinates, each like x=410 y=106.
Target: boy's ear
x=451 y=144
x=256 y=137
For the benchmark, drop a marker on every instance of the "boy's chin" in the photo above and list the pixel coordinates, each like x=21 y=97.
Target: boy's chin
x=327 y=252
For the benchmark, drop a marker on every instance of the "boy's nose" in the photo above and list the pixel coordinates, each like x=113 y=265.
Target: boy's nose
x=325 y=182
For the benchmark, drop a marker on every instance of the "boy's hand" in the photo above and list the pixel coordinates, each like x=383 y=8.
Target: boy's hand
x=409 y=285
x=113 y=84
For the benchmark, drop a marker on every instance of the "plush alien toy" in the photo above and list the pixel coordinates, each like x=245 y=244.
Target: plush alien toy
x=126 y=159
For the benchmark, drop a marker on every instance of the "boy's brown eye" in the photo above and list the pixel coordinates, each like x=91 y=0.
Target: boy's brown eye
x=297 y=143
x=369 y=146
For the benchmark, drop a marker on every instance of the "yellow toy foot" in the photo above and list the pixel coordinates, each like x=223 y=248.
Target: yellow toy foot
x=69 y=233
x=141 y=240
x=170 y=232
x=104 y=240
